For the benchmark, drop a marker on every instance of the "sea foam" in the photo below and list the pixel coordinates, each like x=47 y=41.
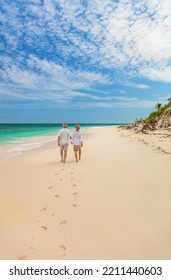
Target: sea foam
x=16 y=150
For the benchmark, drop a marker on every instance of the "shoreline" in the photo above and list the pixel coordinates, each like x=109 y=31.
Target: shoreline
x=113 y=204
x=16 y=147
x=9 y=136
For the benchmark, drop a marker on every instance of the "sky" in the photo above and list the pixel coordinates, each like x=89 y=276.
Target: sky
x=100 y=61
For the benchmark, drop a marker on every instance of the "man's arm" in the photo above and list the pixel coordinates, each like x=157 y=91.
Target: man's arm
x=58 y=140
x=71 y=137
x=81 y=140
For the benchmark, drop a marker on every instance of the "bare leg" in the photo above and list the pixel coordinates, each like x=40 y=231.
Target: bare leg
x=61 y=155
x=76 y=158
x=65 y=155
x=79 y=153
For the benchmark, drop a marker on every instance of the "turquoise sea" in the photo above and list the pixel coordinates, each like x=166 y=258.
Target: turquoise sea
x=10 y=133
x=17 y=138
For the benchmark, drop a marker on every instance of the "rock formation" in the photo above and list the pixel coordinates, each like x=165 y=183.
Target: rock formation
x=160 y=119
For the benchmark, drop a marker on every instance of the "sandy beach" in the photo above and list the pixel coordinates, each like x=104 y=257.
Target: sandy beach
x=113 y=204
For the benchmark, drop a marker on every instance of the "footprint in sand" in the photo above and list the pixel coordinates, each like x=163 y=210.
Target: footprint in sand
x=74 y=185
x=43 y=227
x=74 y=194
x=31 y=248
x=21 y=258
x=63 y=222
x=56 y=196
x=43 y=209
x=74 y=205
x=53 y=214
x=60 y=179
x=49 y=187
x=63 y=249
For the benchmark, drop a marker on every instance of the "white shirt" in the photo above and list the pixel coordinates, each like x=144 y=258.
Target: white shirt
x=64 y=136
x=77 y=138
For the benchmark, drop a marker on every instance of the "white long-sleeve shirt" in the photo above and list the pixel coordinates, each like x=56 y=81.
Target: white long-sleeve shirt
x=77 y=138
x=64 y=135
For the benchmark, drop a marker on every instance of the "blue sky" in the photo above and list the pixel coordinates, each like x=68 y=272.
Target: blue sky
x=83 y=61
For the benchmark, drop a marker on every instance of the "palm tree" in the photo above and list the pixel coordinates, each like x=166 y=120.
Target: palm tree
x=158 y=106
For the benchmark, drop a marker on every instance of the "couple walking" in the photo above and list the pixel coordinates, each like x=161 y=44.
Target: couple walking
x=76 y=139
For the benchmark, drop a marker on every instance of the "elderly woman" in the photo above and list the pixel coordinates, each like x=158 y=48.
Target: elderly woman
x=77 y=141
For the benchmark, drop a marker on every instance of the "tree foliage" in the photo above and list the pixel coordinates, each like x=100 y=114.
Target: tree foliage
x=159 y=110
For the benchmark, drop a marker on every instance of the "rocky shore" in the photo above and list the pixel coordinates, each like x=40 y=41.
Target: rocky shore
x=158 y=121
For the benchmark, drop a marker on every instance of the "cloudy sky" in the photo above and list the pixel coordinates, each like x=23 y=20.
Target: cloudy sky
x=83 y=60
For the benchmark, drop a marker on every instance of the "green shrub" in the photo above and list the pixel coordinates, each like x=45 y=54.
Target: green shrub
x=154 y=115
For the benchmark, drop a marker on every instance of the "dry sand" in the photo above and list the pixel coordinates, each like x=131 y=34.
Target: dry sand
x=113 y=204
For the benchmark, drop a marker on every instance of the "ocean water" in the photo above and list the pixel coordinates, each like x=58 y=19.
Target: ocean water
x=10 y=133
x=17 y=138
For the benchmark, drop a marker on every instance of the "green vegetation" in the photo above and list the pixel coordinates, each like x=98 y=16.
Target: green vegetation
x=152 y=118
x=154 y=115
x=158 y=106
x=139 y=120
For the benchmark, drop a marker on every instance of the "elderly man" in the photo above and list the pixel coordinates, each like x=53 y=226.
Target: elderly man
x=63 y=141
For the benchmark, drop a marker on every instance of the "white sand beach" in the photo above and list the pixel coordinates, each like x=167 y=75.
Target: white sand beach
x=113 y=204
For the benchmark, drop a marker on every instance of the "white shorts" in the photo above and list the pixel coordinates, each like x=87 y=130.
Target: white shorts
x=64 y=147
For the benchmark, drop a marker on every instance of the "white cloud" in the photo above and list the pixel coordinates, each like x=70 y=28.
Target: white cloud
x=123 y=104
x=162 y=74
x=118 y=33
x=165 y=98
x=83 y=44
x=135 y=85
